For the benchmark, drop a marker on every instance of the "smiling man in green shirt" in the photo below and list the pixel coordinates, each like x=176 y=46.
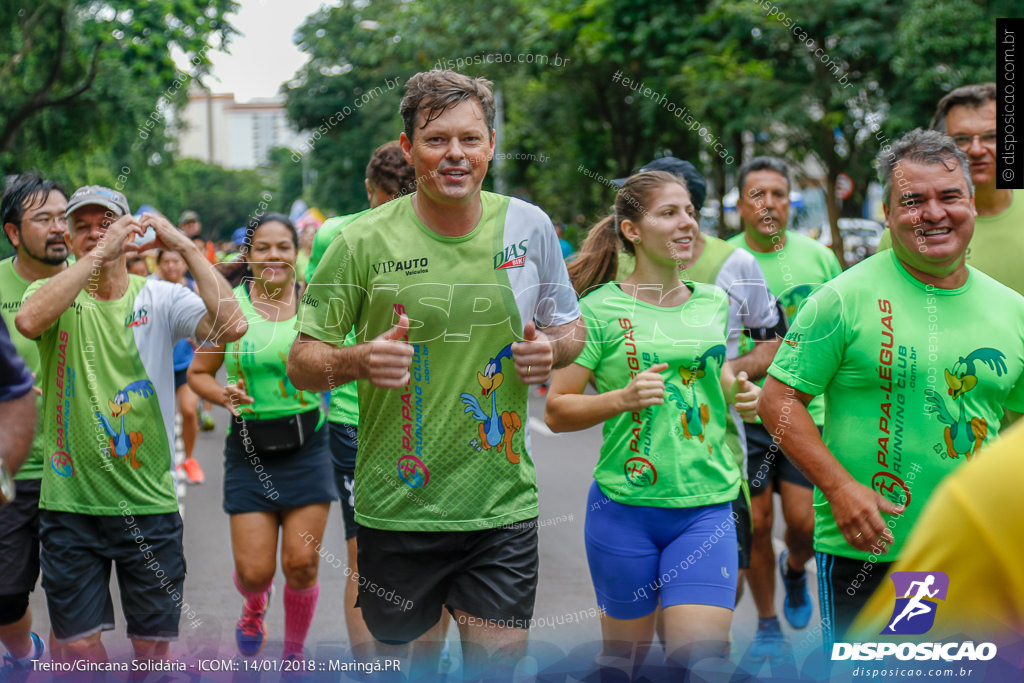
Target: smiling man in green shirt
x=914 y=370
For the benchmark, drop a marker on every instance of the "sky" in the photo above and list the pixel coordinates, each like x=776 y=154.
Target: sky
x=263 y=55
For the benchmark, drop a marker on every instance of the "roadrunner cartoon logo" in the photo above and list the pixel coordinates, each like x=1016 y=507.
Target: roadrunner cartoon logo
x=496 y=430
x=124 y=444
x=693 y=416
x=964 y=435
x=914 y=613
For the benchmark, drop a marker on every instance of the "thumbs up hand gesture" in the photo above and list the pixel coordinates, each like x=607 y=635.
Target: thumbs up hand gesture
x=533 y=356
x=743 y=395
x=389 y=357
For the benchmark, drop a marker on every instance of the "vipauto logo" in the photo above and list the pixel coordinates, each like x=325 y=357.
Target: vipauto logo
x=918 y=598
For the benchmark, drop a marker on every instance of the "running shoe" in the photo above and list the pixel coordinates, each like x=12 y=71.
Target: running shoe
x=193 y=472
x=251 y=632
x=797 y=606
x=768 y=640
x=206 y=422
x=19 y=669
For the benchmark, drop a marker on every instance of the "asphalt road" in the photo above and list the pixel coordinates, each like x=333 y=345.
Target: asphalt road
x=565 y=615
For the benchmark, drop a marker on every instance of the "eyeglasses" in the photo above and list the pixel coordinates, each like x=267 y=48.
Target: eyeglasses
x=965 y=142
x=60 y=220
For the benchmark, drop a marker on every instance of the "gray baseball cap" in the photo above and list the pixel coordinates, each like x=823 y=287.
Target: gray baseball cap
x=97 y=195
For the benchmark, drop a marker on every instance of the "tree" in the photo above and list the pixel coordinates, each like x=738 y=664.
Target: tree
x=78 y=73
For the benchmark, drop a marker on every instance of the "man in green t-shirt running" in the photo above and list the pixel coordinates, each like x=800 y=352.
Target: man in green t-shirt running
x=108 y=496
x=484 y=308
x=793 y=265
x=914 y=368
x=388 y=175
x=32 y=212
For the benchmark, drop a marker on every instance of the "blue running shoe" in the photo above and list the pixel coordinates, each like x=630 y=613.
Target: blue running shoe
x=19 y=669
x=251 y=632
x=797 y=605
x=768 y=640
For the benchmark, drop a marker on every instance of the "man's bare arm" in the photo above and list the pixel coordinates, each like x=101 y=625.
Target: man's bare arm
x=855 y=507
x=756 y=363
x=566 y=342
x=18 y=426
x=315 y=365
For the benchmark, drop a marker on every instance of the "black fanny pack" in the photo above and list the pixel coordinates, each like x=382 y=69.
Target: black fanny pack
x=278 y=436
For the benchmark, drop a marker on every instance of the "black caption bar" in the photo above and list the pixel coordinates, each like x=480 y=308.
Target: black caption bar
x=1009 y=149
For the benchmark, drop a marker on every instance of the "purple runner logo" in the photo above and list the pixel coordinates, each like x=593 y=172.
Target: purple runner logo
x=914 y=612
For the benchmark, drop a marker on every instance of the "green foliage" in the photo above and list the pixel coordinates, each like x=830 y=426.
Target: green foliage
x=79 y=74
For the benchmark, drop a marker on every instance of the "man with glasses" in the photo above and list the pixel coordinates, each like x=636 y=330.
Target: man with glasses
x=968 y=115
x=32 y=213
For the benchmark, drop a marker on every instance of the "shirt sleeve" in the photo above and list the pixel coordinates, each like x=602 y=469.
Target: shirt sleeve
x=15 y=378
x=590 y=356
x=557 y=303
x=745 y=283
x=812 y=351
x=833 y=268
x=184 y=308
x=334 y=296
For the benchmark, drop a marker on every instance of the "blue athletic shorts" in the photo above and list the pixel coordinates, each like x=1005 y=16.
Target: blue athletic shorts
x=638 y=554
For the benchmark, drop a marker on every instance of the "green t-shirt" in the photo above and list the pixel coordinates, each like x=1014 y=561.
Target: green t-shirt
x=260 y=358
x=108 y=399
x=451 y=450
x=915 y=380
x=792 y=273
x=996 y=246
x=344 y=405
x=674 y=454
x=12 y=289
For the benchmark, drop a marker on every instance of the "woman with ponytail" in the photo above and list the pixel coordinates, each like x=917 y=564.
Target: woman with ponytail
x=277 y=461
x=659 y=525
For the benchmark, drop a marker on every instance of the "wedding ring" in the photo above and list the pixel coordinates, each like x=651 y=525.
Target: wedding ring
x=528 y=369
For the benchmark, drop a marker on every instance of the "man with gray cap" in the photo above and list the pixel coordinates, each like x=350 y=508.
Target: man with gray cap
x=105 y=341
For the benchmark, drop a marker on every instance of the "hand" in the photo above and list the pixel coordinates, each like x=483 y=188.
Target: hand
x=389 y=358
x=234 y=396
x=117 y=239
x=646 y=389
x=533 y=356
x=744 y=394
x=167 y=236
x=855 y=508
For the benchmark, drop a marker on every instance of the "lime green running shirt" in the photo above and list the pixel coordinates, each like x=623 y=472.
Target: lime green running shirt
x=792 y=273
x=344 y=405
x=451 y=450
x=260 y=358
x=108 y=399
x=674 y=454
x=915 y=380
x=12 y=289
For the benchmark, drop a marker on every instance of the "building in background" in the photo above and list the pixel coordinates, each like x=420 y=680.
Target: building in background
x=239 y=135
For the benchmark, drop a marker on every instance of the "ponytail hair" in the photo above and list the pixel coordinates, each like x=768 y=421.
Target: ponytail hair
x=598 y=259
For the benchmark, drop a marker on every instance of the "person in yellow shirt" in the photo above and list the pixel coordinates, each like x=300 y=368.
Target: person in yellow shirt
x=971 y=532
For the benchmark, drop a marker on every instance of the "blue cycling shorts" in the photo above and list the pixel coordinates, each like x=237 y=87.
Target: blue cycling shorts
x=639 y=554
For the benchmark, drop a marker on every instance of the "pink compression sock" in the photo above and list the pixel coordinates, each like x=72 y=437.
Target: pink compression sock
x=256 y=601
x=299 y=607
